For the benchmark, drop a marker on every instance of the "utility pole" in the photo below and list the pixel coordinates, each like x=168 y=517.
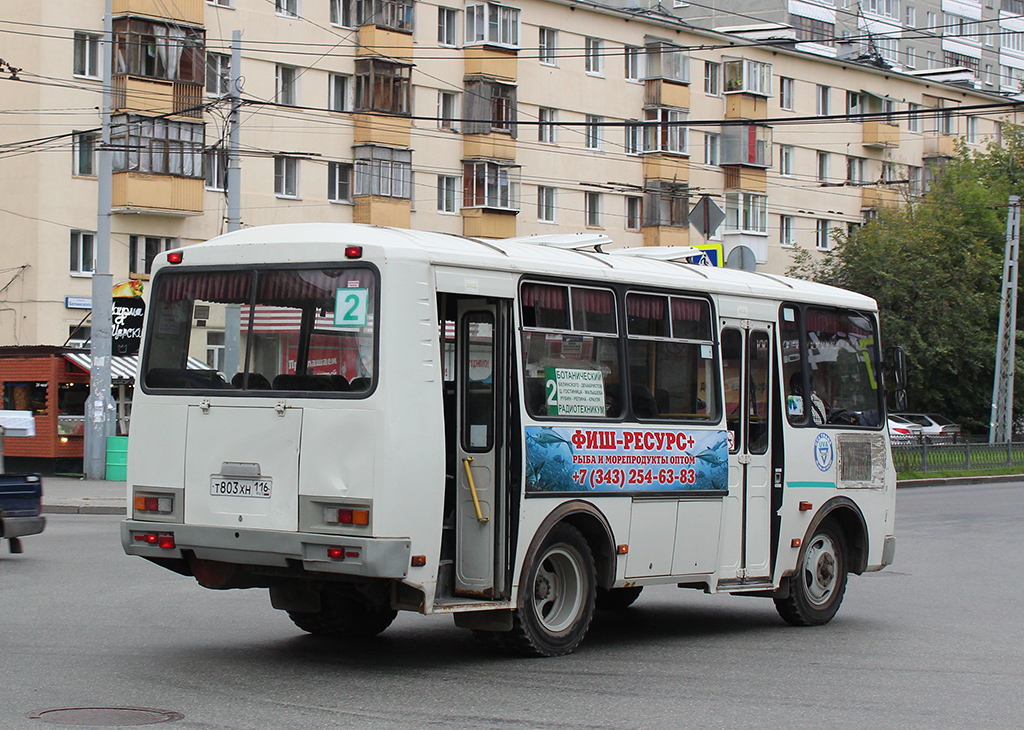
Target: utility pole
x=100 y=415
x=233 y=312
x=1001 y=423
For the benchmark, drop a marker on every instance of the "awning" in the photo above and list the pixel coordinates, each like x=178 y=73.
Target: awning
x=123 y=369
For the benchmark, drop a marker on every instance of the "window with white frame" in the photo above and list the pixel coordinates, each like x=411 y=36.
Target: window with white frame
x=971 y=134
x=592 y=132
x=890 y=172
x=786 y=231
x=592 y=205
x=489 y=184
x=286 y=176
x=547 y=46
x=855 y=169
x=218 y=74
x=489 y=106
x=634 y=213
x=822 y=230
x=634 y=142
x=748 y=77
x=215 y=166
x=631 y=54
x=914 y=179
x=83 y=149
x=447 y=194
x=447 y=110
x=83 y=252
x=665 y=130
x=383 y=171
x=219 y=3
x=594 y=56
x=546 y=128
x=87 y=55
x=746 y=212
x=492 y=24
x=854 y=102
x=914 y=117
x=545 y=204
x=339 y=97
x=712 y=78
x=286 y=89
x=712 y=148
x=911 y=16
x=157 y=146
x=885 y=8
x=447 y=26
x=343 y=13
x=929 y=20
x=664 y=60
x=823 y=166
x=382 y=86
x=910 y=57
x=822 y=95
x=787 y=88
x=143 y=250
x=339 y=182
x=289 y=8
x=786 y=159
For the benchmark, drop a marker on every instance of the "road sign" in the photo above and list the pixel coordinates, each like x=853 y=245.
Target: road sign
x=706 y=216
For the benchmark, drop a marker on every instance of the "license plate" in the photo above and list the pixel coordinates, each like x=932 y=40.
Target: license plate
x=240 y=487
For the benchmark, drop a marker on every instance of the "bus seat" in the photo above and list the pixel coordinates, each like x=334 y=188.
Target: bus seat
x=291 y=381
x=644 y=405
x=360 y=384
x=535 y=396
x=257 y=381
x=185 y=378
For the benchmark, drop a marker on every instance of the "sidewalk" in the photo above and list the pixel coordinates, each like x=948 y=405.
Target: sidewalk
x=69 y=495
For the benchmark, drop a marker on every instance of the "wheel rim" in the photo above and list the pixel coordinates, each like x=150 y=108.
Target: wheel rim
x=558 y=590
x=821 y=569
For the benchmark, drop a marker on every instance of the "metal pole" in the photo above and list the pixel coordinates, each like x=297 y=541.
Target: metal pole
x=233 y=312
x=100 y=416
x=1001 y=422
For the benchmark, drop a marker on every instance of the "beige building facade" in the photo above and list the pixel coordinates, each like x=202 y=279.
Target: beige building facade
x=483 y=119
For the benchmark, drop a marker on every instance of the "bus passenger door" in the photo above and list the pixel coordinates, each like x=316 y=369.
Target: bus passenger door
x=747 y=365
x=480 y=375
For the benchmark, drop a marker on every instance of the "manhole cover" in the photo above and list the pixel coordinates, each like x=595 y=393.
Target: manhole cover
x=105 y=716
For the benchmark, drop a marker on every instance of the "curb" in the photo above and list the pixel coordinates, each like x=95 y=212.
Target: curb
x=84 y=509
x=952 y=481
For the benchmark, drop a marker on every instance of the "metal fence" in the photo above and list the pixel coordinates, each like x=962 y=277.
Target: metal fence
x=928 y=457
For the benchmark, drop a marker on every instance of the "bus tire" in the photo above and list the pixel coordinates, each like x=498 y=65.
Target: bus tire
x=556 y=599
x=617 y=599
x=345 y=614
x=817 y=588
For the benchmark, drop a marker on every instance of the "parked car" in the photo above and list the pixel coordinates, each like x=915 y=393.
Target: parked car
x=20 y=506
x=933 y=426
x=902 y=431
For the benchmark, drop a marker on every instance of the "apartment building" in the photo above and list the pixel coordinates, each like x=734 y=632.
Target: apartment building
x=485 y=119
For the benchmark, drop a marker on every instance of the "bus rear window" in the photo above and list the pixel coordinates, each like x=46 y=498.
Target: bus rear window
x=263 y=330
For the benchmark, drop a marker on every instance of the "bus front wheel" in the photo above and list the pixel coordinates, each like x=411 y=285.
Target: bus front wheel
x=556 y=602
x=817 y=588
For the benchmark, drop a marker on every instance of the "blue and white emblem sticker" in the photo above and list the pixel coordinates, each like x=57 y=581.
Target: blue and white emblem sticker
x=823 y=452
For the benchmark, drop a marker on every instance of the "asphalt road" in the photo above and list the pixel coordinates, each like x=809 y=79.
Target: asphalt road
x=934 y=642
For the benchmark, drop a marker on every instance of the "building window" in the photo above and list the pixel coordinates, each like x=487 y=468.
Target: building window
x=855 y=169
x=546 y=128
x=634 y=213
x=746 y=212
x=286 y=177
x=664 y=130
x=914 y=117
x=382 y=86
x=972 y=130
x=83 y=252
x=487 y=184
x=594 y=56
x=83 y=148
x=823 y=165
x=447 y=110
x=219 y=3
x=748 y=77
x=810 y=30
x=712 y=148
x=447 y=194
x=339 y=182
x=593 y=209
x=667 y=61
x=490 y=106
x=785 y=159
x=786 y=231
x=634 y=137
x=289 y=8
x=383 y=171
x=143 y=250
x=215 y=165
x=447 y=32
x=854 y=102
x=341 y=13
x=593 y=132
x=548 y=46
x=666 y=204
x=987 y=78
x=545 y=204
x=931 y=59
x=910 y=57
x=286 y=89
x=218 y=74
x=911 y=16
x=390 y=14
x=631 y=54
x=929 y=21
x=159 y=51
x=87 y=55
x=823 y=99
x=339 y=93
x=712 y=78
x=822 y=234
x=492 y=24
x=157 y=146
x=786 y=90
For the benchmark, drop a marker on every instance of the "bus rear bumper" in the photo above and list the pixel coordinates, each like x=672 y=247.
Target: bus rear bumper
x=370 y=557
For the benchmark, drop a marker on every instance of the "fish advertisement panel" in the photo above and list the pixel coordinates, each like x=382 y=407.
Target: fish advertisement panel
x=572 y=459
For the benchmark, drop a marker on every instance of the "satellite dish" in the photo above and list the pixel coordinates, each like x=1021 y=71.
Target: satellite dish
x=742 y=258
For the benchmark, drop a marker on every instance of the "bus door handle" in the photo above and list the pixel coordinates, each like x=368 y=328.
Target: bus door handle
x=472 y=490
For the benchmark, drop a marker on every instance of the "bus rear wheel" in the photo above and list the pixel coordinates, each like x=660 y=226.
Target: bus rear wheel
x=347 y=613
x=556 y=600
x=817 y=588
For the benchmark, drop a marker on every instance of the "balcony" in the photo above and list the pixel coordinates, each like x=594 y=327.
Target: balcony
x=881 y=134
x=156 y=97
x=181 y=11
x=658 y=92
x=881 y=197
x=939 y=145
x=747 y=144
x=135 y=192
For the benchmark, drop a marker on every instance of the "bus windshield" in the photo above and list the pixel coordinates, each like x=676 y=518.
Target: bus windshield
x=297 y=329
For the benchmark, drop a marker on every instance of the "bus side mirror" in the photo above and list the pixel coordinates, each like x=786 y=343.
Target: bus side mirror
x=895 y=375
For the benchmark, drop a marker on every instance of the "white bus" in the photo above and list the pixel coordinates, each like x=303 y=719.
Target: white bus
x=515 y=432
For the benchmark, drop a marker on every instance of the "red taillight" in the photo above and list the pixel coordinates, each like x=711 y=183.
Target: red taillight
x=165 y=541
x=174 y=257
x=164 y=505
x=336 y=553
x=347 y=516
x=160 y=539
x=901 y=431
x=353 y=252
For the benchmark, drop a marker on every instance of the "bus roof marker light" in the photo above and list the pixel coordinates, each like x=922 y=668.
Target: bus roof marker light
x=353 y=252
x=175 y=257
